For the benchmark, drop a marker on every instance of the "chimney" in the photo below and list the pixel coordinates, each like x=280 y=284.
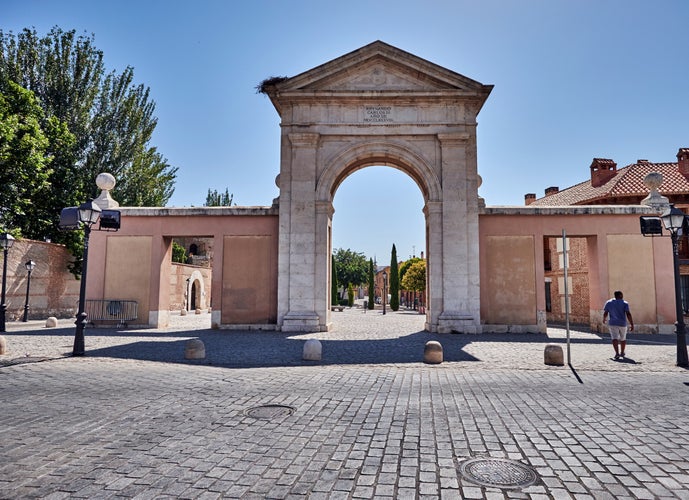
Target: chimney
x=683 y=161
x=602 y=170
x=552 y=190
x=529 y=198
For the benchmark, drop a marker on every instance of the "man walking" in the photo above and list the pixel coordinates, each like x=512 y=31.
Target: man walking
x=618 y=309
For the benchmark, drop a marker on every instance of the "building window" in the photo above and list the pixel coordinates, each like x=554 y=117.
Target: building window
x=547 y=266
x=548 y=302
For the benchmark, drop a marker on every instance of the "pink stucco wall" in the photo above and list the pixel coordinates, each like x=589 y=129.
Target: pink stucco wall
x=162 y=224
x=618 y=257
x=641 y=278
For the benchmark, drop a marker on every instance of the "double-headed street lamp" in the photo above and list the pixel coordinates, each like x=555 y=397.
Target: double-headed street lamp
x=30 y=265
x=673 y=220
x=6 y=242
x=88 y=215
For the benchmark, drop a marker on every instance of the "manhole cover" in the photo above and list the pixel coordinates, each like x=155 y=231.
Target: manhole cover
x=498 y=473
x=270 y=412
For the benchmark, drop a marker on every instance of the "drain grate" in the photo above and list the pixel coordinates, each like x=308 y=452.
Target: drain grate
x=498 y=473
x=270 y=412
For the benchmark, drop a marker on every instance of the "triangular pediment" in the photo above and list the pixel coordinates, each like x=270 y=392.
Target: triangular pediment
x=378 y=74
x=380 y=67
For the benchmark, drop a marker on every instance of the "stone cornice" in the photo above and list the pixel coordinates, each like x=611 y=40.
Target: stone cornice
x=197 y=211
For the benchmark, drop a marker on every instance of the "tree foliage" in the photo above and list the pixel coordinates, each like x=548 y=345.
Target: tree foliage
x=405 y=266
x=216 y=199
x=25 y=155
x=94 y=121
x=394 y=280
x=350 y=295
x=371 y=285
x=351 y=267
x=179 y=253
x=415 y=277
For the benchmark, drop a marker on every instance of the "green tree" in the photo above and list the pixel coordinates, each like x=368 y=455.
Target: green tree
x=371 y=285
x=415 y=277
x=25 y=157
x=350 y=295
x=406 y=265
x=110 y=118
x=179 y=253
x=333 y=281
x=394 y=280
x=351 y=267
x=216 y=199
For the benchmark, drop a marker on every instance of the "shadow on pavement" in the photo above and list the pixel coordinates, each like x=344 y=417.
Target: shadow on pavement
x=268 y=349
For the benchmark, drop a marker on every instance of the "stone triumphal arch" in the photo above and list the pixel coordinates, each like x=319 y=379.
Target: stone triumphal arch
x=378 y=105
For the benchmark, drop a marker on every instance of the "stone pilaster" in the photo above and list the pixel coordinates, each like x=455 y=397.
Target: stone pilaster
x=297 y=254
x=460 y=289
x=433 y=210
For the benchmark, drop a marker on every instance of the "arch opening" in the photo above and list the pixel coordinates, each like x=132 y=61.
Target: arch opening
x=376 y=206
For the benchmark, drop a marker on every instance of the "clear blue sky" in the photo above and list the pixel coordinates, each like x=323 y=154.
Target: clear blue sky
x=573 y=80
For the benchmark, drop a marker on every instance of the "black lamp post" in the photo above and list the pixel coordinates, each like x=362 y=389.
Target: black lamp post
x=385 y=289
x=6 y=242
x=88 y=214
x=673 y=220
x=186 y=295
x=30 y=265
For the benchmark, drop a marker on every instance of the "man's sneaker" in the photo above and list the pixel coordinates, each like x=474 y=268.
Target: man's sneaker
x=622 y=355
x=617 y=356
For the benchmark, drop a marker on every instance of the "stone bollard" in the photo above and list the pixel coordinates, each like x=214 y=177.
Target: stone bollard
x=3 y=345
x=312 y=350
x=51 y=322
x=183 y=312
x=197 y=311
x=433 y=352
x=194 y=349
x=553 y=355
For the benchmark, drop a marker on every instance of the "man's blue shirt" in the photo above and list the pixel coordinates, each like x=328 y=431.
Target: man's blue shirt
x=617 y=309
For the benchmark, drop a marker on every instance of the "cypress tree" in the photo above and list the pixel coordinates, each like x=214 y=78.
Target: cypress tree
x=394 y=281
x=371 y=286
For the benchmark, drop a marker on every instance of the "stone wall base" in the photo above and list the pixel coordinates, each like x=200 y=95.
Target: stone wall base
x=456 y=322
x=303 y=321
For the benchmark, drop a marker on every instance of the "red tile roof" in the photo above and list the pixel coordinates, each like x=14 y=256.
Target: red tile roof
x=627 y=182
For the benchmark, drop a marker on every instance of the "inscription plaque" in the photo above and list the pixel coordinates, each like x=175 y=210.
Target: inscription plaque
x=378 y=114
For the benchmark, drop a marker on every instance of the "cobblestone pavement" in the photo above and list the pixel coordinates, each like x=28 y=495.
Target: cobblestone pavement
x=134 y=419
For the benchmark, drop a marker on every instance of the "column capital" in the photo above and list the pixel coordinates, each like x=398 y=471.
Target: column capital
x=303 y=139
x=325 y=207
x=433 y=208
x=454 y=139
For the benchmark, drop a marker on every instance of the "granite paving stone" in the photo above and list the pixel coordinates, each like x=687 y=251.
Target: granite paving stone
x=134 y=419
